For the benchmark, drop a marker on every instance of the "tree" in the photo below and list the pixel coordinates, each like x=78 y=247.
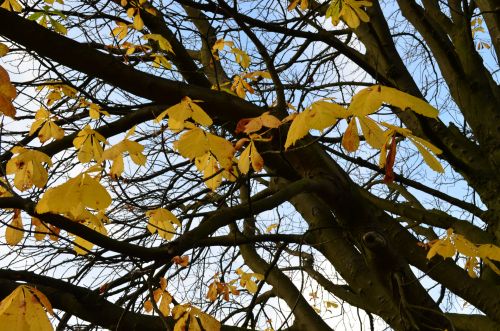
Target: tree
x=198 y=164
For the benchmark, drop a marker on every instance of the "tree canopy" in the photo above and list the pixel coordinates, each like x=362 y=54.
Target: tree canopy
x=263 y=165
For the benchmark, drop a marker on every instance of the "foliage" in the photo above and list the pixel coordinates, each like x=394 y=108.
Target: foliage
x=202 y=165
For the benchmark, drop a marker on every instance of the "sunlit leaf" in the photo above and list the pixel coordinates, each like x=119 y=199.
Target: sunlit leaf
x=162 y=221
x=184 y=110
x=322 y=114
x=14 y=233
x=72 y=197
x=28 y=168
x=298 y=129
x=350 y=140
x=4 y=49
x=48 y=128
x=7 y=94
x=12 y=5
x=23 y=310
x=88 y=142
x=372 y=132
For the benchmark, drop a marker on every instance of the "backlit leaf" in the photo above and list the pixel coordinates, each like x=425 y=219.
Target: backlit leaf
x=7 y=94
x=72 y=197
x=298 y=129
x=184 y=110
x=4 y=49
x=48 y=128
x=350 y=140
x=14 y=232
x=428 y=157
x=162 y=221
x=28 y=168
x=322 y=114
x=23 y=310
x=88 y=142
x=372 y=132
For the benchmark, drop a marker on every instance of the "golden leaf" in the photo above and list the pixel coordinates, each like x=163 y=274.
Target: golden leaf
x=88 y=142
x=7 y=94
x=72 y=197
x=350 y=140
x=298 y=129
x=23 y=309
x=14 y=232
x=163 y=221
x=48 y=128
x=372 y=132
x=28 y=168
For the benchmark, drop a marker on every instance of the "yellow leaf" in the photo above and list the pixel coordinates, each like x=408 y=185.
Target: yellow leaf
x=491 y=265
x=333 y=11
x=208 y=322
x=222 y=149
x=254 y=124
x=23 y=310
x=166 y=300
x=372 y=132
x=148 y=306
x=350 y=140
x=41 y=229
x=162 y=42
x=254 y=75
x=298 y=129
x=73 y=196
x=120 y=31
x=138 y=24
x=163 y=221
x=43 y=300
x=293 y=4
x=184 y=110
x=322 y=114
x=331 y=304
x=12 y=5
x=430 y=159
x=241 y=57
x=212 y=291
x=14 y=232
x=256 y=158
x=404 y=100
x=352 y=13
x=366 y=101
x=28 y=169
x=48 y=128
x=58 y=27
x=115 y=153
x=163 y=283
x=464 y=246
x=470 y=265
x=161 y=61
x=88 y=142
x=211 y=172
x=489 y=251
x=251 y=286
x=3 y=49
x=426 y=144
x=244 y=161
x=219 y=46
x=4 y=192
x=95 y=111
x=192 y=144
x=82 y=246
x=7 y=94
x=443 y=247
x=271 y=227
